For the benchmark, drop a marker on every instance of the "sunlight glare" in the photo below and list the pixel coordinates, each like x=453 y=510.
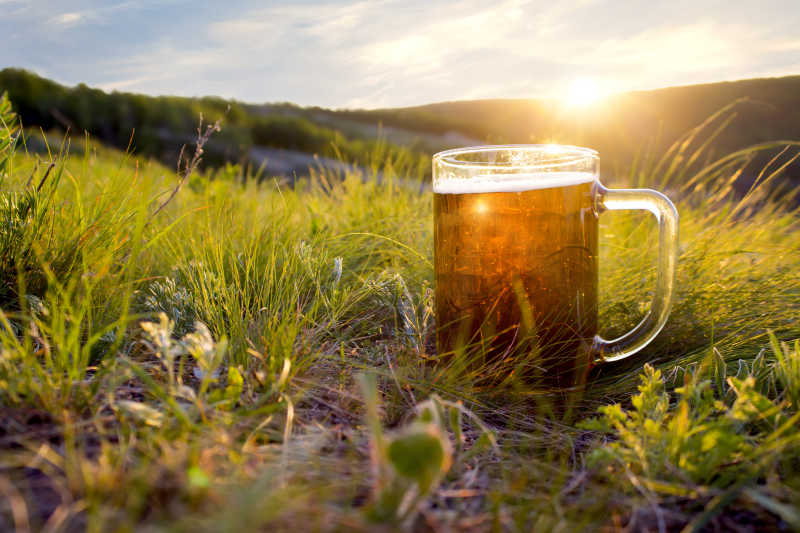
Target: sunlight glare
x=583 y=92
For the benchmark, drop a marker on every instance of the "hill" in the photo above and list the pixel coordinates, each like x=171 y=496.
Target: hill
x=625 y=128
x=622 y=127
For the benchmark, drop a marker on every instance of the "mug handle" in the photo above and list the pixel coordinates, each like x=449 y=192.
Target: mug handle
x=653 y=322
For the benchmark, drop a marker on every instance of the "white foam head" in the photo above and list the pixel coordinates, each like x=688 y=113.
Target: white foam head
x=511 y=182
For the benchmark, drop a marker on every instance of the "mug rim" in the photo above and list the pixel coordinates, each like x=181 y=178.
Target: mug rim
x=563 y=155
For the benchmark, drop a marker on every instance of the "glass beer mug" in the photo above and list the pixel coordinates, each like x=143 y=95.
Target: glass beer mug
x=515 y=259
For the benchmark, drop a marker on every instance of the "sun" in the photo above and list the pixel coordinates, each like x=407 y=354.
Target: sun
x=583 y=92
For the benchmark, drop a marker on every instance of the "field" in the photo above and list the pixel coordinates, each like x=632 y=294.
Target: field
x=197 y=352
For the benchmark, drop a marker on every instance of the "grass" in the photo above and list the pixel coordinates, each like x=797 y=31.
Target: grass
x=256 y=356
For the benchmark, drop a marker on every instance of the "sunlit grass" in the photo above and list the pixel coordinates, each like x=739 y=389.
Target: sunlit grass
x=198 y=370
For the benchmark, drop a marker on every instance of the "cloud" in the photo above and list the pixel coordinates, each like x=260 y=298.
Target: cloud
x=662 y=56
x=404 y=52
x=688 y=47
x=94 y=12
x=123 y=84
x=172 y=68
x=785 y=45
x=67 y=19
x=457 y=47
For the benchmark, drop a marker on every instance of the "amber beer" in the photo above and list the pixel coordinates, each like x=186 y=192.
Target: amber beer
x=515 y=260
x=516 y=269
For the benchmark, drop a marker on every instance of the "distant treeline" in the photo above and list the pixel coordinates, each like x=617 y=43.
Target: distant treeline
x=160 y=125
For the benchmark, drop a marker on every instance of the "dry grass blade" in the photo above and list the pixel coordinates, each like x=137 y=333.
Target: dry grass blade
x=188 y=166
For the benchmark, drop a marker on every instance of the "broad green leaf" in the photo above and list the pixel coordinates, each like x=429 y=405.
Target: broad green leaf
x=419 y=455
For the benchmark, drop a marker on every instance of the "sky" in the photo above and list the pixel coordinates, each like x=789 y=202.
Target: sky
x=390 y=53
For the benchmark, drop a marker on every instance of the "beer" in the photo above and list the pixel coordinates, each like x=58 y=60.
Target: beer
x=515 y=260
x=516 y=271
